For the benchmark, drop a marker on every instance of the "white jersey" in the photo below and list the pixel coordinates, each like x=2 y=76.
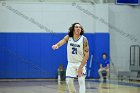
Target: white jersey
x=75 y=49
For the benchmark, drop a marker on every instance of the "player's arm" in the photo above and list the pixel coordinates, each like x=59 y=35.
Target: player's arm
x=101 y=66
x=61 y=42
x=86 y=53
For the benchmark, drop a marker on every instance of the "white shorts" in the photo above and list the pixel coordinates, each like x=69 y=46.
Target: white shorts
x=71 y=71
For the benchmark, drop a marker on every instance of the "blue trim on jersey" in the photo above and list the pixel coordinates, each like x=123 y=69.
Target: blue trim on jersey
x=70 y=77
x=75 y=77
x=83 y=42
x=77 y=39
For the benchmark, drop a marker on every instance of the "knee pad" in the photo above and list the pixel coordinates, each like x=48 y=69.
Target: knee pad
x=81 y=80
x=71 y=85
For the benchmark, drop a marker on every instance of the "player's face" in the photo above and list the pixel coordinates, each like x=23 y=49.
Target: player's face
x=104 y=56
x=77 y=29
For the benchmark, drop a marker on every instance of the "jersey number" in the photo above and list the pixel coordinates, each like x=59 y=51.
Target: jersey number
x=74 y=50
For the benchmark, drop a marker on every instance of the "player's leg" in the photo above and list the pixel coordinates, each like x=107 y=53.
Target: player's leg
x=70 y=84
x=100 y=73
x=107 y=71
x=81 y=81
x=70 y=75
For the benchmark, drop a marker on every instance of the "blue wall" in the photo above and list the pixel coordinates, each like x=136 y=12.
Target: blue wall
x=101 y=45
x=29 y=55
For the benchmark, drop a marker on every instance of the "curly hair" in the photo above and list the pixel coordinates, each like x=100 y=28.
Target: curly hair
x=71 y=29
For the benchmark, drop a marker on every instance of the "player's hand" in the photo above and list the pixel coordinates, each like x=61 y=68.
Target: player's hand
x=55 y=47
x=80 y=72
x=104 y=68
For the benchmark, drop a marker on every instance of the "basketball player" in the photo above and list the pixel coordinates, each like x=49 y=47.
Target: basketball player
x=77 y=55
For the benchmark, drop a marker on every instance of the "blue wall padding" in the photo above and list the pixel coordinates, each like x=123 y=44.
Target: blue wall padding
x=29 y=55
x=101 y=45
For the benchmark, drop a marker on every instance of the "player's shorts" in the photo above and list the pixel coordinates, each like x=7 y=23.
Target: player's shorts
x=71 y=71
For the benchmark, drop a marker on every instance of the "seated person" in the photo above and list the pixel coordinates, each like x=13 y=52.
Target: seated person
x=61 y=72
x=104 y=66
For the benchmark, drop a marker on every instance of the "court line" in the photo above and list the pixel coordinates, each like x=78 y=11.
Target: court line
x=117 y=83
